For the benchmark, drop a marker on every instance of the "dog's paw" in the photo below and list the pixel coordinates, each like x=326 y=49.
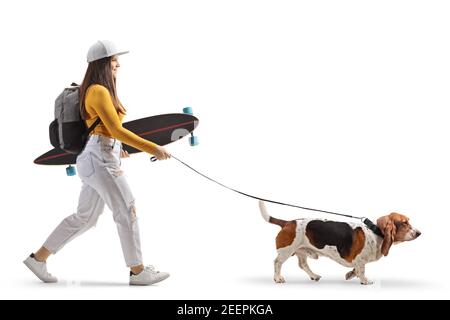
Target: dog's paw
x=279 y=279
x=350 y=275
x=315 y=277
x=366 y=282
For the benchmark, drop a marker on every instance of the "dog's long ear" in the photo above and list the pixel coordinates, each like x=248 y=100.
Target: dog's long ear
x=387 y=226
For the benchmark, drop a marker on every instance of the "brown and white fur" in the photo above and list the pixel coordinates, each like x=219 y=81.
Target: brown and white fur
x=349 y=244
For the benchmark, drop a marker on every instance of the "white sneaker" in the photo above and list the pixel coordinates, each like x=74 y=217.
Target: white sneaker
x=39 y=269
x=147 y=276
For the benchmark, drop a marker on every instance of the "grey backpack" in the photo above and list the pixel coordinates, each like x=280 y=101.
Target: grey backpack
x=68 y=131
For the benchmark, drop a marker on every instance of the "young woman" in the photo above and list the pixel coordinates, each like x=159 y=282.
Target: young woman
x=99 y=169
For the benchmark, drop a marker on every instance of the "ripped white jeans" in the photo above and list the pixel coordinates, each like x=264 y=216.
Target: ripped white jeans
x=103 y=182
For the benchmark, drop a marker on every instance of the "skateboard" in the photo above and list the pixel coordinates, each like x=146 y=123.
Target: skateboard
x=161 y=129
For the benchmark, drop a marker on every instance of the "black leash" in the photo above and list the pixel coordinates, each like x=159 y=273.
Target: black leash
x=365 y=220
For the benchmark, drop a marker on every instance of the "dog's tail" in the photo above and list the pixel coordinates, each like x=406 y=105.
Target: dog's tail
x=268 y=218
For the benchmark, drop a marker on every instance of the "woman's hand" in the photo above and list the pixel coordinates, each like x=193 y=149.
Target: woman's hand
x=161 y=153
x=124 y=154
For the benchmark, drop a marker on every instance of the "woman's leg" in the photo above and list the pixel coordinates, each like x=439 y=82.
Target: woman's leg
x=90 y=206
x=100 y=168
x=113 y=188
x=137 y=269
x=42 y=254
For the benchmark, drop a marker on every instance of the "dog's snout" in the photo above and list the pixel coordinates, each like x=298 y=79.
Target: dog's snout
x=418 y=233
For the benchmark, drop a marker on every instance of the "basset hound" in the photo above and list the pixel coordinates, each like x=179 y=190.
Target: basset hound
x=349 y=244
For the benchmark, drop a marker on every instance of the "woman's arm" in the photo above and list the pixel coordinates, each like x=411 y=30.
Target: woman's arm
x=99 y=98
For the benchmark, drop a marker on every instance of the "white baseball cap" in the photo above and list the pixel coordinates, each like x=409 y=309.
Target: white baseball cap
x=102 y=49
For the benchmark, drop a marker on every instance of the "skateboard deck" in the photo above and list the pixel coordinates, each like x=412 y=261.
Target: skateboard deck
x=161 y=129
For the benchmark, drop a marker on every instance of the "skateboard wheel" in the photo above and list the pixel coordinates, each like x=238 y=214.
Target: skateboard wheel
x=193 y=141
x=188 y=110
x=71 y=171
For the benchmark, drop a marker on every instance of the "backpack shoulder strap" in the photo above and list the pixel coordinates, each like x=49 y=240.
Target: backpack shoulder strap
x=89 y=130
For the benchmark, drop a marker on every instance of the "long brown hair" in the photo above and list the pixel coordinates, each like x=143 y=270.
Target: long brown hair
x=99 y=72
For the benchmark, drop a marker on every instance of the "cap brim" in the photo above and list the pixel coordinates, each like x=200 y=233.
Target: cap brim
x=120 y=53
x=102 y=57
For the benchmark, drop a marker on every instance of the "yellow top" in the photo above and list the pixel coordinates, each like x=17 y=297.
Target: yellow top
x=98 y=103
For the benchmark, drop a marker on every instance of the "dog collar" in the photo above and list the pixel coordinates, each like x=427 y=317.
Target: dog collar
x=373 y=227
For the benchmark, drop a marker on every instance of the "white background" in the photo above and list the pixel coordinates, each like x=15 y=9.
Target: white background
x=337 y=105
